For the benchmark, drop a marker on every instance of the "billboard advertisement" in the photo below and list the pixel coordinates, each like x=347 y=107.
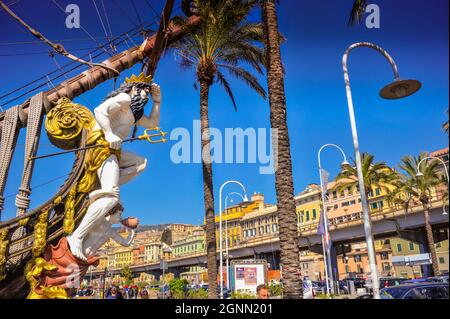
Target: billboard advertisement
x=248 y=274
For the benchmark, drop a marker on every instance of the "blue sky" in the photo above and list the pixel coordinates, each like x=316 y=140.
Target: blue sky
x=415 y=33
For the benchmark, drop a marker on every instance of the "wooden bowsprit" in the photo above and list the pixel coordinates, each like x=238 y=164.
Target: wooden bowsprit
x=149 y=135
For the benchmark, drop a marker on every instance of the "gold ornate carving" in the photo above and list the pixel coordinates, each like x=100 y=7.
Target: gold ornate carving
x=3 y=250
x=23 y=222
x=69 y=208
x=141 y=78
x=40 y=234
x=65 y=122
x=93 y=160
x=33 y=270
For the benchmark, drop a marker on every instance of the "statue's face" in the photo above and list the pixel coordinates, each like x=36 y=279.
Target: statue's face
x=144 y=93
x=116 y=217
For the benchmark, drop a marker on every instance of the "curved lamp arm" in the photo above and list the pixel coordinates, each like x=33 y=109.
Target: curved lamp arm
x=419 y=173
x=372 y=46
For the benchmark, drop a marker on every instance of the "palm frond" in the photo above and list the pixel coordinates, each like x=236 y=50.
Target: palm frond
x=357 y=12
x=223 y=81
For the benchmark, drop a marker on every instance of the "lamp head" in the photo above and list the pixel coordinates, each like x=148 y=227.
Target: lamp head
x=345 y=163
x=400 y=89
x=419 y=174
x=245 y=198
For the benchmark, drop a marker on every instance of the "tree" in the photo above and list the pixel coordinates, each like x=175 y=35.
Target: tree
x=375 y=175
x=445 y=125
x=421 y=188
x=223 y=42
x=178 y=288
x=127 y=275
x=284 y=185
x=357 y=12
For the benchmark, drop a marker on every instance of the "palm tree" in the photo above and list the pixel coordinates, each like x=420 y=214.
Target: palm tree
x=284 y=185
x=357 y=12
x=375 y=175
x=421 y=189
x=224 y=41
x=445 y=125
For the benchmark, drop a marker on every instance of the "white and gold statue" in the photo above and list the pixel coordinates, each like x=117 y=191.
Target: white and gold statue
x=122 y=110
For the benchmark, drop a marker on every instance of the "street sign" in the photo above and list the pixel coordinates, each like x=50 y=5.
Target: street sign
x=163 y=265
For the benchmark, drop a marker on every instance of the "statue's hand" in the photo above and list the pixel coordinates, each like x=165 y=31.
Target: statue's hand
x=156 y=93
x=114 y=141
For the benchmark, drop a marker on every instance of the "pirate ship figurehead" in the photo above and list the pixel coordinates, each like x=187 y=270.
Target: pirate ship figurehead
x=122 y=110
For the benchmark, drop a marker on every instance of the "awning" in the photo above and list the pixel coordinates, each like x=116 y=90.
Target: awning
x=411 y=260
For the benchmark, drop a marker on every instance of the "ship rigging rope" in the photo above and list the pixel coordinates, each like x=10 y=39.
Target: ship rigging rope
x=70 y=63
x=113 y=47
x=67 y=64
x=82 y=28
x=57 y=47
x=101 y=20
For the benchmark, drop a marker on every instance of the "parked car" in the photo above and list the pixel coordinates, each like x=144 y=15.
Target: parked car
x=359 y=282
x=443 y=279
x=391 y=281
x=343 y=287
x=416 y=291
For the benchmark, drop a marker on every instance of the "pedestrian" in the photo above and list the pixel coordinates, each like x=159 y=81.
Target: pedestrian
x=112 y=293
x=144 y=294
x=262 y=292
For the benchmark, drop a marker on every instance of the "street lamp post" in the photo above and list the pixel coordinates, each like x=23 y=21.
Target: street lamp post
x=420 y=174
x=227 y=260
x=395 y=90
x=104 y=282
x=329 y=275
x=220 y=228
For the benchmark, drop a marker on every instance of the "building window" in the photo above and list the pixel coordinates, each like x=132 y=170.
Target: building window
x=349 y=191
x=384 y=256
x=334 y=194
x=411 y=246
x=399 y=248
x=357 y=258
x=314 y=216
x=377 y=192
x=359 y=269
x=307 y=216
x=441 y=260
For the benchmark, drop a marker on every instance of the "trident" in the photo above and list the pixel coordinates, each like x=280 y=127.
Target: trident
x=148 y=135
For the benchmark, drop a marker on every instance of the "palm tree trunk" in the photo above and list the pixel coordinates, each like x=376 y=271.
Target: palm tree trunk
x=430 y=241
x=208 y=192
x=290 y=260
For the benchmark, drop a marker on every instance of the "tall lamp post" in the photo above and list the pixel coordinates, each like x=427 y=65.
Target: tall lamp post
x=395 y=90
x=329 y=275
x=420 y=174
x=227 y=259
x=220 y=228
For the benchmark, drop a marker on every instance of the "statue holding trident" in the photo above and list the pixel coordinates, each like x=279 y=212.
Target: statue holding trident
x=121 y=111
